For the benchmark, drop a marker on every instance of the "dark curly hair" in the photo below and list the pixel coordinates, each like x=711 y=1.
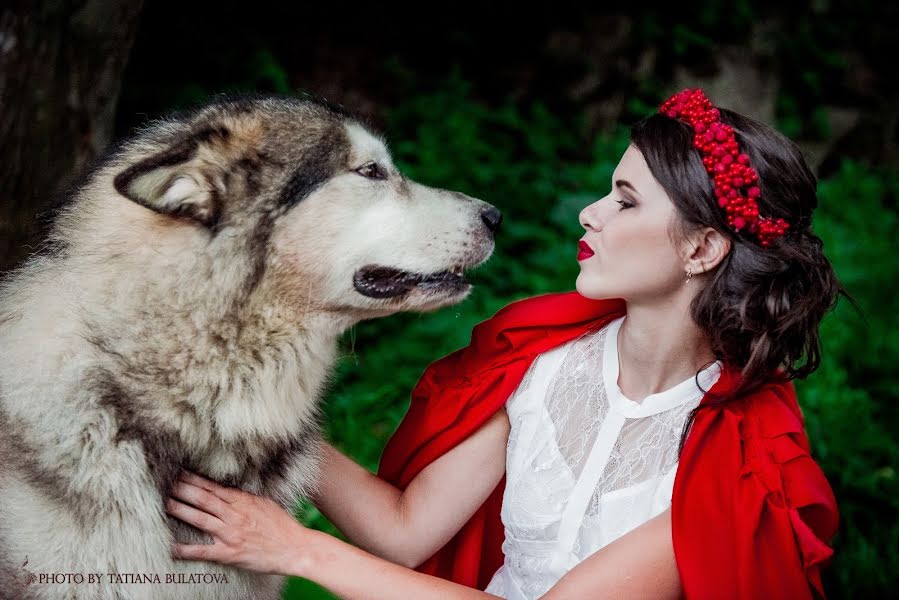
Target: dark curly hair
x=762 y=306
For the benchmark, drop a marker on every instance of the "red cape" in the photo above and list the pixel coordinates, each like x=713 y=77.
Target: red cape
x=752 y=513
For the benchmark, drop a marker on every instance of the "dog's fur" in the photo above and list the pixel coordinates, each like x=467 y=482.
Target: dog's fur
x=186 y=314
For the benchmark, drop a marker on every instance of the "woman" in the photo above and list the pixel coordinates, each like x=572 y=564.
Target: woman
x=638 y=438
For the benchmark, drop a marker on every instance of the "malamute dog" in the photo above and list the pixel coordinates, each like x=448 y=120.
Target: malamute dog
x=186 y=314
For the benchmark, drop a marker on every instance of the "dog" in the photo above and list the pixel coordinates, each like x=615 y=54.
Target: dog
x=185 y=313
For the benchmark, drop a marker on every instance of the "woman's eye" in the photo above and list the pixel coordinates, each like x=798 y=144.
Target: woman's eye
x=372 y=170
x=624 y=204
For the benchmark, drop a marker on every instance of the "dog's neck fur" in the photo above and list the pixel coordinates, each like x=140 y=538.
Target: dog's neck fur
x=210 y=375
x=218 y=369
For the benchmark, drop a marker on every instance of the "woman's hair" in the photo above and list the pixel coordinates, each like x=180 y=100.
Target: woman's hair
x=762 y=305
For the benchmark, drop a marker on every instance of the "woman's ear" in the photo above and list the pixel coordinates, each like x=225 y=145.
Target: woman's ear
x=706 y=248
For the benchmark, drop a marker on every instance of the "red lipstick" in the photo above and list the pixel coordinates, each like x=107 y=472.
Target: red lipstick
x=584 y=250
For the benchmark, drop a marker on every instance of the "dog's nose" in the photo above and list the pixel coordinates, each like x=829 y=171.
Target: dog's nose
x=492 y=218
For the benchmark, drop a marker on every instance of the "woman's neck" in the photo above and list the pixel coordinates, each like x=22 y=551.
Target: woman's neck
x=658 y=348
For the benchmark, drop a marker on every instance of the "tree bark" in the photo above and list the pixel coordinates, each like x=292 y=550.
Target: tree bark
x=61 y=65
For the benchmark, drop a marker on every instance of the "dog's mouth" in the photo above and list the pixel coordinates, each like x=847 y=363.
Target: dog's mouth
x=385 y=282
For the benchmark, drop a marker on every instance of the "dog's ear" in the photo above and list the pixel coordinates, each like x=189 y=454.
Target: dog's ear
x=176 y=182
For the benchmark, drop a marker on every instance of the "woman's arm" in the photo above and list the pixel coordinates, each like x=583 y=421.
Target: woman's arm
x=638 y=565
x=407 y=527
x=351 y=573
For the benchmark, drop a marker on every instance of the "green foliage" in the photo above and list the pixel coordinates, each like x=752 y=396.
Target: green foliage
x=851 y=402
x=535 y=168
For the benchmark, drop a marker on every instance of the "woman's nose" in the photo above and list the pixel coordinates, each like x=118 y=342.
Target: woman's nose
x=589 y=217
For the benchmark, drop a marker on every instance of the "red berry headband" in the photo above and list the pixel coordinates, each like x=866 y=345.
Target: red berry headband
x=734 y=178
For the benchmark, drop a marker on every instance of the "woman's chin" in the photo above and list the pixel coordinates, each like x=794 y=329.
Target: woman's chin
x=589 y=287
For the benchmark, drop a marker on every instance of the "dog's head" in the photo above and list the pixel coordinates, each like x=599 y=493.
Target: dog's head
x=299 y=199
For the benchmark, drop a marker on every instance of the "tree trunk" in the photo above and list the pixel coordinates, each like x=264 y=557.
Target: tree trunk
x=61 y=64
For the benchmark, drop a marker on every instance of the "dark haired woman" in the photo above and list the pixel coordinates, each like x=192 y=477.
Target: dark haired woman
x=639 y=438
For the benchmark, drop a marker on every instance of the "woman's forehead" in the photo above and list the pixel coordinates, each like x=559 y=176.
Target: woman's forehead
x=633 y=168
x=631 y=164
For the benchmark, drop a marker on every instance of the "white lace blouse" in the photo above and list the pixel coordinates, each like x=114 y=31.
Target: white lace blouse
x=584 y=463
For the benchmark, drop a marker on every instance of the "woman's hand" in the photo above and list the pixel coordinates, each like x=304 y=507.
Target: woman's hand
x=249 y=531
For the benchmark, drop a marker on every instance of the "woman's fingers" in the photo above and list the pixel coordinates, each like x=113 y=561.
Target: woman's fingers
x=226 y=494
x=204 y=499
x=212 y=552
x=192 y=516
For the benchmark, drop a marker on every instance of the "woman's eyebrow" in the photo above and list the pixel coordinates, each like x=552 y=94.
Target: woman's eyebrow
x=626 y=184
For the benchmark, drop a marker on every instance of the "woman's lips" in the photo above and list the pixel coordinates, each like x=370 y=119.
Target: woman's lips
x=584 y=250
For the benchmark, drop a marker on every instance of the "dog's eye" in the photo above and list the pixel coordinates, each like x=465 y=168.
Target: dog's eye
x=372 y=170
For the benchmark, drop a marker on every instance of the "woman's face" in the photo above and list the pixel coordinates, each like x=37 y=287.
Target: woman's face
x=633 y=255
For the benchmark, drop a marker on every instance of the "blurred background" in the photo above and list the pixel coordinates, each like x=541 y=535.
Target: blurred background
x=526 y=108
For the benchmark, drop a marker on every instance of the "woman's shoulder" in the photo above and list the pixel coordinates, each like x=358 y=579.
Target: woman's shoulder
x=766 y=412
x=748 y=460
x=771 y=411
x=769 y=428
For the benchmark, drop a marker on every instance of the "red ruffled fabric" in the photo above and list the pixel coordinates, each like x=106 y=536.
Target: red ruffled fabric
x=752 y=513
